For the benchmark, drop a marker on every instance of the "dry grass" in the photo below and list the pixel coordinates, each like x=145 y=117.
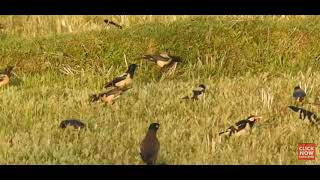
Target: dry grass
x=32 y=25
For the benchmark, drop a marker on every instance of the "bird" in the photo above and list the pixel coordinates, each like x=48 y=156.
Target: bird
x=75 y=123
x=303 y=114
x=299 y=94
x=5 y=76
x=124 y=80
x=149 y=147
x=197 y=93
x=112 y=23
x=108 y=97
x=162 y=59
x=242 y=126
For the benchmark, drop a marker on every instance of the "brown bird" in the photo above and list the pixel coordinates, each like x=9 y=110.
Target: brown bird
x=197 y=93
x=123 y=81
x=75 y=123
x=163 y=59
x=5 y=76
x=112 y=23
x=149 y=147
x=108 y=97
x=242 y=126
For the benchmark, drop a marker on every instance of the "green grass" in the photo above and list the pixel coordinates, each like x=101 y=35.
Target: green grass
x=250 y=66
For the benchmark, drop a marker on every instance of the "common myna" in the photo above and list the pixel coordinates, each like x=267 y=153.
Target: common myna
x=299 y=94
x=303 y=114
x=163 y=59
x=112 y=23
x=124 y=80
x=242 y=126
x=108 y=97
x=75 y=123
x=197 y=93
x=5 y=76
x=150 y=145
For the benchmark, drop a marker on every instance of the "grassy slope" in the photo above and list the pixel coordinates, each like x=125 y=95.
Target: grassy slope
x=249 y=66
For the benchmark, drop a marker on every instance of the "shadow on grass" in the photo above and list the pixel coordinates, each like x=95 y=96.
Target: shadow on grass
x=15 y=81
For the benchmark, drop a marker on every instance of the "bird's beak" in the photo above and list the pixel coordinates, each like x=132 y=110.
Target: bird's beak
x=259 y=117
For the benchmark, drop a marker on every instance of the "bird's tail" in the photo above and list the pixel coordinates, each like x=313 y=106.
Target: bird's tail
x=220 y=133
x=107 y=85
x=186 y=97
x=62 y=125
x=150 y=163
x=176 y=59
x=94 y=97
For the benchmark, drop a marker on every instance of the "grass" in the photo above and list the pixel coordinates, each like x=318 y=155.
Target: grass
x=33 y=26
x=250 y=65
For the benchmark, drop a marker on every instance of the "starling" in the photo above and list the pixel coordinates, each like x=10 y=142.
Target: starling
x=77 y=124
x=124 y=80
x=150 y=145
x=242 y=126
x=303 y=114
x=299 y=94
x=197 y=93
x=163 y=59
x=108 y=97
x=5 y=76
x=112 y=23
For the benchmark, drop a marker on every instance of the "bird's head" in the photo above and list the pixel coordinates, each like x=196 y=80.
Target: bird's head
x=202 y=86
x=154 y=126
x=132 y=68
x=254 y=118
x=297 y=87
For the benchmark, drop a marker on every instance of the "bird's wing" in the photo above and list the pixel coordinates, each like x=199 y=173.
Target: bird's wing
x=111 y=92
x=149 y=149
x=116 y=80
x=77 y=122
x=156 y=57
x=308 y=114
x=196 y=93
x=241 y=124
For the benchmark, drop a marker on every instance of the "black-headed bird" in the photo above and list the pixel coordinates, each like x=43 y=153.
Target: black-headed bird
x=108 y=97
x=75 y=123
x=163 y=59
x=5 y=76
x=197 y=93
x=149 y=147
x=123 y=81
x=303 y=114
x=242 y=127
x=299 y=94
